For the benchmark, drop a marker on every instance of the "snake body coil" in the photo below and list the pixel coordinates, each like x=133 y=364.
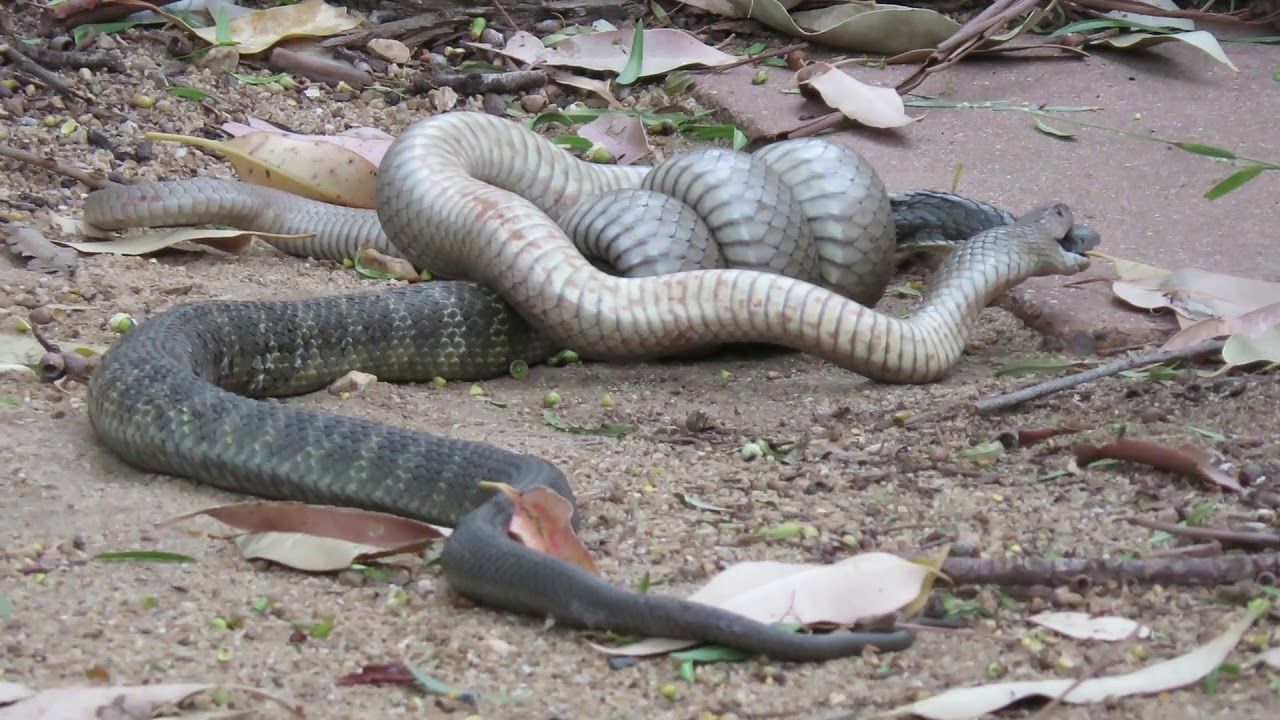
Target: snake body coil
x=476 y=198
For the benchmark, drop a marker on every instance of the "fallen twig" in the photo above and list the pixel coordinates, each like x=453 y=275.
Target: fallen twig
x=1185 y=460
x=765 y=55
x=1048 y=387
x=33 y=68
x=1239 y=538
x=481 y=83
x=97 y=182
x=1176 y=570
x=970 y=35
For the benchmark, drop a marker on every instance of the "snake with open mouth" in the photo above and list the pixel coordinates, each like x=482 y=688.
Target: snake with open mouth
x=801 y=236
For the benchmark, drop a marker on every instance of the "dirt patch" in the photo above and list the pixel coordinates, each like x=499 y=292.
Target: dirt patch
x=73 y=620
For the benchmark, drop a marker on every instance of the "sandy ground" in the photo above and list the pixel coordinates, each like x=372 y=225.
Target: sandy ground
x=70 y=620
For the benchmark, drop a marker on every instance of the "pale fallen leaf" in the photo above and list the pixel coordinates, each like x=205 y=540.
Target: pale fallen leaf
x=878 y=107
x=318 y=538
x=143 y=243
x=314 y=169
x=351 y=383
x=40 y=253
x=1200 y=39
x=393 y=51
x=523 y=46
x=1155 y=21
x=1254 y=336
x=1271 y=658
x=665 y=49
x=259 y=30
x=13 y=692
x=368 y=142
x=93 y=703
x=1168 y=675
x=593 y=85
x=864 y=27
x=864 y=586
x=542 y=521
x=1084 y=626
x=1244 y=349
x=1192 y=294
x=622 y=135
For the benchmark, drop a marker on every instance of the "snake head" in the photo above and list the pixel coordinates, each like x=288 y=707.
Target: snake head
x=1065 y=254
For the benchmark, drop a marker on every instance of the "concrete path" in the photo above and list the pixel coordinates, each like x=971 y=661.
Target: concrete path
x=1145 y=198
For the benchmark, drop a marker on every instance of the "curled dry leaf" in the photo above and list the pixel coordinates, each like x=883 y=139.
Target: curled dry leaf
x=542 y=521
x=864 y=586
x=621 y=135
x=1186 y=459
x=1192 y=294
x=92 y=703
x=1178 y=672
x=40 y=253
x=352 y=382
x=872 y=106
x=599 y=87
x=144 y=243
x=380 y=265
x=1084 y=626
x=318 y=538
x=1022 y=437
x=379 y=674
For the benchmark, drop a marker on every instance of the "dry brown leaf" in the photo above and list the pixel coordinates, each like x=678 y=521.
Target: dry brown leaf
x=41 y=254
x=621 y=135
x=864 y=586
x=542 y=521
x=259 y=30
x=877 y=107
x=1186 y=459
x=319 y=538
x=94 y=703
x=1170 y=674
x=143 y=243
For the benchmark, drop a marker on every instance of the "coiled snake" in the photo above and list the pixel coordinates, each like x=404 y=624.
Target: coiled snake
x=476 y=198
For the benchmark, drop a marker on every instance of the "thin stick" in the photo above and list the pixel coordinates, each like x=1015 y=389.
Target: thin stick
x=785 y=49
x=1222 y=535
x=97 y=182
x=510 y=23
x=1048 y=387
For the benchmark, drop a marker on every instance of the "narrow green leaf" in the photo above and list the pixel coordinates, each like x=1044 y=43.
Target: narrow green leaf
x=631 y=72
x=441 y=688
x=712 y=653
x=222 y=28
x=103 y=28
x=687 y=671
x=1047 y=129
x=144 y=556
x=1233 y=181
x=1033 y=366
x=187 y=93
x=955 y=177
x=716 y=132
x=371 y=273
x=1207 y=150
x=1207 y=434
x=559 y=423
x=573 y=142
x=256 y=80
